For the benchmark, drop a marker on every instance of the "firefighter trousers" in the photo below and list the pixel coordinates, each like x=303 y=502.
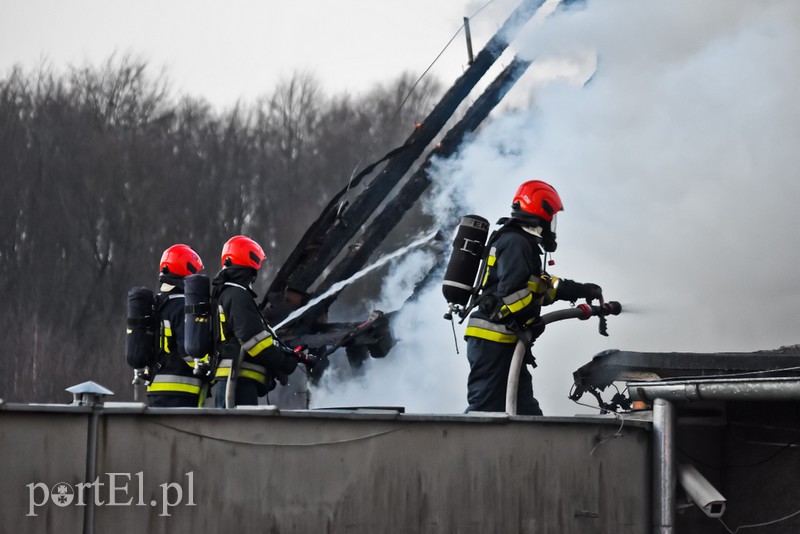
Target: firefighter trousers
x=489 y=363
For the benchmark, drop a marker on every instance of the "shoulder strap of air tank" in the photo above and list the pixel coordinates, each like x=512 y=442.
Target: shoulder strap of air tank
x=213 y=317
x=475 y=297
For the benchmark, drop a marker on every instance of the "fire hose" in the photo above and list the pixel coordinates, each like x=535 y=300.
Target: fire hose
x=581 y=312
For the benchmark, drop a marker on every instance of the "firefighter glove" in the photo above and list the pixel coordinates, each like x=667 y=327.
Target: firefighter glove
x=271 y=384
x=592 y=292
x=288 y=365
x=281 y=365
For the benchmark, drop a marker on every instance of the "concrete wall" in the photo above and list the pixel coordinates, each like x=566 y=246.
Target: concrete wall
x=327 y=472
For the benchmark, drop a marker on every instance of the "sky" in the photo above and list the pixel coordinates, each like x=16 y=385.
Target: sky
x=676 y=163
x=240 y=49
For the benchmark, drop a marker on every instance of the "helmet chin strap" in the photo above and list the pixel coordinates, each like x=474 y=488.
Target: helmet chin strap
x=533 y=230
x=537 y=231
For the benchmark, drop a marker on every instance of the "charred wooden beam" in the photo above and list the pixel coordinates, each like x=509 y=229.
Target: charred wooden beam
x=393 y=212
x=333 y=238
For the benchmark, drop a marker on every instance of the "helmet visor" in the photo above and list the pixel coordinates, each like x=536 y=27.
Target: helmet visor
x=553 y=223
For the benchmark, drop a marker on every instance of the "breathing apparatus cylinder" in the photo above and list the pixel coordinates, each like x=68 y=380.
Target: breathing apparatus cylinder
x=140 y=343
x=197 y=319
x=465 y=260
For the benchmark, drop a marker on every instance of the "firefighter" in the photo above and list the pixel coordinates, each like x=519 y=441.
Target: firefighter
x=513 y=288
x=174 y=384
x=243 y=329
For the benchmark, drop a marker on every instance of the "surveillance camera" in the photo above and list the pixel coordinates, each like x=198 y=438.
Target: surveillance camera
x=700 y=491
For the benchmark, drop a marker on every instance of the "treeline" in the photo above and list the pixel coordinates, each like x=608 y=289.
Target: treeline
x=102 y=168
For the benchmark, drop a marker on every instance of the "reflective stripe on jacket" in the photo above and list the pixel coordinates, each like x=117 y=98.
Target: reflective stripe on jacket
x=164 y=383
x=488 y=330
x=258 y=343
x=246 y=370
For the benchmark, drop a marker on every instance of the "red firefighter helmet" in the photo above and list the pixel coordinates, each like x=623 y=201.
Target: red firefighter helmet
x=243 y=251
x=538 y=199
x=180 y=260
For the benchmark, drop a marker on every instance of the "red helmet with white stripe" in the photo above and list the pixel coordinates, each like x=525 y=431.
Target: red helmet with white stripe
x=536 y=199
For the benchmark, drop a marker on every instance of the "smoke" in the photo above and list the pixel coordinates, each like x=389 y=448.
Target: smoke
x=422 y=373
x=677 y=166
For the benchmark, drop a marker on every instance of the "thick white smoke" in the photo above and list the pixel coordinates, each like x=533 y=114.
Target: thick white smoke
x=677 y=165
x=422 y=373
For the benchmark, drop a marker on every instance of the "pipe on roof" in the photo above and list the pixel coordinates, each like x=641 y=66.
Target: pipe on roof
x=741 y=389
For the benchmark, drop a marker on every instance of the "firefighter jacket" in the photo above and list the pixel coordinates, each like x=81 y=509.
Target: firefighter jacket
x=174 y=370
x=514 y=287
x=241 y=327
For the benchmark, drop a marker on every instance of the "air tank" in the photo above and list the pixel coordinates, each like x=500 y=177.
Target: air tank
x=465 y=259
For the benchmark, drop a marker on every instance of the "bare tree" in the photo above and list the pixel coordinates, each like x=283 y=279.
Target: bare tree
x=101 y=169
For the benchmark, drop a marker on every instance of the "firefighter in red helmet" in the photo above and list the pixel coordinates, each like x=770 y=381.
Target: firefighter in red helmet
x=513 y=288
x=174 y=384
x=243 y=329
